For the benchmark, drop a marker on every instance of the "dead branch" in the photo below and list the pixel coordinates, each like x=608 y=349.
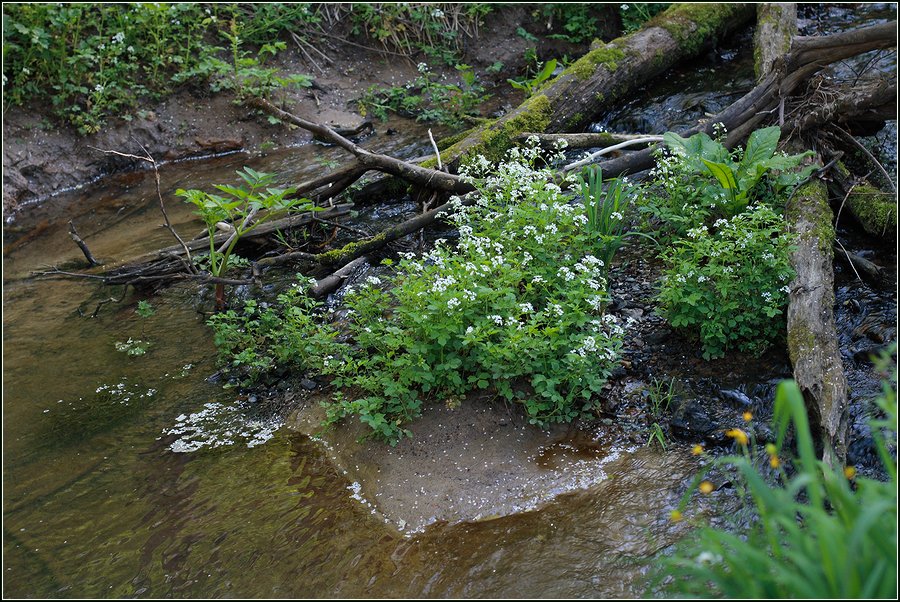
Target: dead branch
x=73 y=234
x=331 y=283
x=874 y=275
x=580 y=140
x=162 y=206
x=420 y=176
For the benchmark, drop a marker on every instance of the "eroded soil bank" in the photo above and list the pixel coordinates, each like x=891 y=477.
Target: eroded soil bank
x=42 y=157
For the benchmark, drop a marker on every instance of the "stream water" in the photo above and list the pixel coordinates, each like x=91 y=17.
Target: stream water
x=99 y=502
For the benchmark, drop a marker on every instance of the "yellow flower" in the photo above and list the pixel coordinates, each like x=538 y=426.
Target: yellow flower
x=706 y=487
x=675 y=516
x=748 y=416
x=697 y=450
x=849 y=472
x=774 y=462
x=738 y=435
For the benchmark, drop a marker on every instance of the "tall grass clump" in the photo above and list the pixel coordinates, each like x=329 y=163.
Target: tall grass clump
x=815 y=531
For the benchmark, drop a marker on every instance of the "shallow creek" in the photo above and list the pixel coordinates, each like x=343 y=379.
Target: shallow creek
x=103 y=498
x=137 y=476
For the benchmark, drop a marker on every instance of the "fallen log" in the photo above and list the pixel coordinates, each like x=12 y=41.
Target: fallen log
x=776 y=26
x=747 y=113
x=874 y=209
x=811 y=334
x=605 y=76
x=812 y=338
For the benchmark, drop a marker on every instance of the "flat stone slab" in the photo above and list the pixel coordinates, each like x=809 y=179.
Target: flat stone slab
x=475 y=462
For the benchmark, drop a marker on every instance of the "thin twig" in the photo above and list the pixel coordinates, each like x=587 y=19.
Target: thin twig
x=848 y=259
x=73 y=234
x=437 y=152
x=149 y=159
x=110 y=300
x=590 y=158
x=870 y=156
x=362 y=233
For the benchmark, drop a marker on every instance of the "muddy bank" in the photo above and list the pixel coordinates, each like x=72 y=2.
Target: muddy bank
x=42 y=157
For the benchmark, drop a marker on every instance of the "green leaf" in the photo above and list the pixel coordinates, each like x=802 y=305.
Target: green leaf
x=761 y=146
x=722 y=173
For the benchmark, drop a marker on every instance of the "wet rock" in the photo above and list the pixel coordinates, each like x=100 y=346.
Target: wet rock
x=736 y=396
x=309 y=384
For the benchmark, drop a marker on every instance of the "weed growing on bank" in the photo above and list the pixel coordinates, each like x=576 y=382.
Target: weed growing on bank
x=96 y=61
x=427 y=99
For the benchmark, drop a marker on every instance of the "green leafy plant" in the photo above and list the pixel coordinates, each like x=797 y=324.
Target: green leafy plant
x=102 y=60
x=530 y=86
x=426 y=99
x=656 y=435
x=731 y=283
x=437 y=30
x=577 y=21
x=145 y=309
x=516 y=307
x=635 y=15
x=606 y=211
x=698 y=181
x=738 y=179
x=815 y=532
x=258 y=338
x=661 y=394
x=135 y=347
x=245 y=208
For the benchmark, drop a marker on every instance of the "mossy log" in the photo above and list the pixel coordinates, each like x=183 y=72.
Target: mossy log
x=776 y=25
x=809 y=54
x=811 y=333
x=874 y=209
x=606 y=75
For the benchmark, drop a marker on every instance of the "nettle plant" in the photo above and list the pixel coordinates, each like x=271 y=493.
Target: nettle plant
x=730 y=283
x=516 y=307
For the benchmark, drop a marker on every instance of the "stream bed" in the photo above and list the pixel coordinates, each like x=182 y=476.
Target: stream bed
x=140 y=476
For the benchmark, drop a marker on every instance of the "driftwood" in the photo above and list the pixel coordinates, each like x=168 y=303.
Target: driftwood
x=415 y=174
x=605 y=75
x=331 y=283
x=808 y=55
x=812 y=337
x=73 y=234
